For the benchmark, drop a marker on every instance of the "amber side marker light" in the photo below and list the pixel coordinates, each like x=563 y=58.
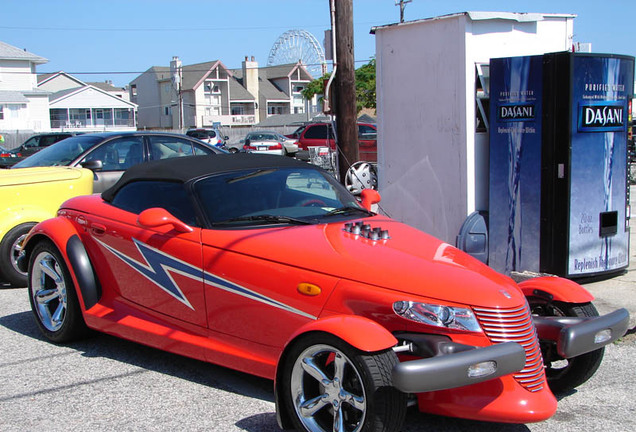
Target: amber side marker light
x=308 y=289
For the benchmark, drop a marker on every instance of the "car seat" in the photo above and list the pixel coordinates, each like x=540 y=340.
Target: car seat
x=134 y=155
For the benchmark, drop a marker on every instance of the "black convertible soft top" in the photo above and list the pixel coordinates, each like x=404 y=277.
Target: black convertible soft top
x=184 y=169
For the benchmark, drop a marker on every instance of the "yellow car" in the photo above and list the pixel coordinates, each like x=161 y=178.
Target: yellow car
x=28 y=196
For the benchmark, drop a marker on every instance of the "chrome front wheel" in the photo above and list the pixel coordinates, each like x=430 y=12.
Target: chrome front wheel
x=327 y=390
x=331 y=386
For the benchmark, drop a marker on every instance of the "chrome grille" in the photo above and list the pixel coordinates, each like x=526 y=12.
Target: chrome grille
x=515 y=325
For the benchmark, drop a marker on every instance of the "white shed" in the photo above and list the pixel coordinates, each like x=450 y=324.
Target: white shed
x=432 y=83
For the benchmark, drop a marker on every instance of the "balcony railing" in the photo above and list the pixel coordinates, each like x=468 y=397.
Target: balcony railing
x=88 y=124
x=228 y=120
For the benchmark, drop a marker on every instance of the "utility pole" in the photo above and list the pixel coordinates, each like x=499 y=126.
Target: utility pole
x=402 y=4
x=345 y=88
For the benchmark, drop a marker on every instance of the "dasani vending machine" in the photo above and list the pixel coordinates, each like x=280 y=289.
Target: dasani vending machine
x=558 y=191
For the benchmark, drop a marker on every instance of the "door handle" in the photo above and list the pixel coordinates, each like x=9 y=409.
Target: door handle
x=98 y=229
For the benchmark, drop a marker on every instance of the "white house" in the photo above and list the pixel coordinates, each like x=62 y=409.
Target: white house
x=23 y=106
x=78 y=106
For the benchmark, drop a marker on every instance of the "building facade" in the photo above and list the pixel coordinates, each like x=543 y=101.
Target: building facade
x=23 y=106
x=209 y=94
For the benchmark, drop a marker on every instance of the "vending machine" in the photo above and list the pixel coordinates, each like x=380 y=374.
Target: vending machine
x=558 y=184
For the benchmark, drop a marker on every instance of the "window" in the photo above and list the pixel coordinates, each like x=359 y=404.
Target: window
x=317 y=132
x=31 y=142
x=133 y=90
x=142 y=195
x=166 y=110
x=210 y=87
x=118 y=154
x=168 y=147
x=200 y=150
x=1 y=112
x=274 y=109
x=298 y=89
x=238 y=110
x=367 y=132
x=290 y=192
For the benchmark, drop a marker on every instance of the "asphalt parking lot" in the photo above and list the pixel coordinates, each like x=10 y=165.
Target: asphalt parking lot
x=108 y=384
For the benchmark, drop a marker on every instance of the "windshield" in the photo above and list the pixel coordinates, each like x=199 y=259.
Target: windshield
x=60 y=153
x=267 y=196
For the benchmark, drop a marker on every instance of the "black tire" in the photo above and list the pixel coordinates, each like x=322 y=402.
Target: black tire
x=53 y=297
x=10 y=248
x=362 y=395
x=564 y=375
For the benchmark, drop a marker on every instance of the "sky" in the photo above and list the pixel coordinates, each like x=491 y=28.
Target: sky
x=118 y=40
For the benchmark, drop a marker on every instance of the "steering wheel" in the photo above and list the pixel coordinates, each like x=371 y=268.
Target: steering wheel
x=313 y=202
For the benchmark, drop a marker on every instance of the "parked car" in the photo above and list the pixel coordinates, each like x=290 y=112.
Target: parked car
x=9 y=157
x=323 y=135
x=37 y=142
x=109 y=154
x=29 y=196
x=269 y=266
x=210 y=136
x=269 y=142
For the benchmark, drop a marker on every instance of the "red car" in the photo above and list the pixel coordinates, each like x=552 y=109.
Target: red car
x=269 y=266
x=322 y=134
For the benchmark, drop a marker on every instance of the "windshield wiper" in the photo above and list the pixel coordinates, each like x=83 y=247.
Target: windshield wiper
x=264 y=218
x=348 y=210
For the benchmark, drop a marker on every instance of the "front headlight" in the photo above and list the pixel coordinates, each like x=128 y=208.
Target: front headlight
x=437 y=315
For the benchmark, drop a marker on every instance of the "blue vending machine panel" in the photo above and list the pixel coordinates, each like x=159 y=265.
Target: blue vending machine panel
x=601 y=87
x=515 y=163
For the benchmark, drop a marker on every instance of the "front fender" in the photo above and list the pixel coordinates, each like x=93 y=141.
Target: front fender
x=556 y=288
x=359 y=332
x=11 y=217
x=63 y=234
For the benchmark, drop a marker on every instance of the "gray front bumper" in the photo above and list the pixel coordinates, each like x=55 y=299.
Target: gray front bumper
x=576 y=336
x=451 y=370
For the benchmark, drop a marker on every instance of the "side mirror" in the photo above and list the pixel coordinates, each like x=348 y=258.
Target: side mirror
x=92 y=165
x=156 y=217
x=369 y=197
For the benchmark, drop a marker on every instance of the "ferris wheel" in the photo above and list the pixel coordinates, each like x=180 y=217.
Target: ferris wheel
x=294 y=45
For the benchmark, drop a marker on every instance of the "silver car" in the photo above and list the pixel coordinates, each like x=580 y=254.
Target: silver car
x=108 y=155
x=269 y=142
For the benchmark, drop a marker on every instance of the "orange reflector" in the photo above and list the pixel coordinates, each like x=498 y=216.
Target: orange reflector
x=308 y=289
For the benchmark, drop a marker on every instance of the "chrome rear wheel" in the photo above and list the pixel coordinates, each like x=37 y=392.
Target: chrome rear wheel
x=52 y=295
x=48 y=291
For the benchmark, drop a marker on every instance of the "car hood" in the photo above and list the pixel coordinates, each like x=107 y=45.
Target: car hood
x=409 y=261
x=21 y=176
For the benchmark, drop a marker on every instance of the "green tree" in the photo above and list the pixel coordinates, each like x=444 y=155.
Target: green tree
x=365 y=86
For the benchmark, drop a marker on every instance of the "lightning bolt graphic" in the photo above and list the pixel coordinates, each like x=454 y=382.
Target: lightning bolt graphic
x=159 y=268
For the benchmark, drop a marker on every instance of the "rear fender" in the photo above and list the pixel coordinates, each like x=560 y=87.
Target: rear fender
x=65 y=237
x=555 y=289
